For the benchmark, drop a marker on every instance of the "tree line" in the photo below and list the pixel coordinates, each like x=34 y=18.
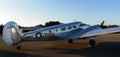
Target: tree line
x=51 y=23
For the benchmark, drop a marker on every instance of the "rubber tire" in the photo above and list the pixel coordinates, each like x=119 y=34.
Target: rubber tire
x=92 y=43
x=70 y=41
x=18 y=47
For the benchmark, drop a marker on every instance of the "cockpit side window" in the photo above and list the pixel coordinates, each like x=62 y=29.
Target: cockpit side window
x=81 y=24
x=80 y=29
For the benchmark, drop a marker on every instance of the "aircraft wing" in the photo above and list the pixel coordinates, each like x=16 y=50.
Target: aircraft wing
x=100 y=32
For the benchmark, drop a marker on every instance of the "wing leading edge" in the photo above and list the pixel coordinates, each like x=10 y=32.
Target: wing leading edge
x=100 y=32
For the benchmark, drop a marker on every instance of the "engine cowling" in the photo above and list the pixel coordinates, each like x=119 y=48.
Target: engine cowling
x=11 y=34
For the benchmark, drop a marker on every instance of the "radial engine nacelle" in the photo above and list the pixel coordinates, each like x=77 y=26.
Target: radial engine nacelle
x=12 y=34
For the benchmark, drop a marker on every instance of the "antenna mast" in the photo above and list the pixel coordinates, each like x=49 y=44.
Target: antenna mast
x=74 y=20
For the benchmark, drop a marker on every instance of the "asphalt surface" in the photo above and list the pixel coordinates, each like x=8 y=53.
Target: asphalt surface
x=107 y=46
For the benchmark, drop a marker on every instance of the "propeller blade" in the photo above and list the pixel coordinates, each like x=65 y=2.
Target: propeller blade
x=101 y=25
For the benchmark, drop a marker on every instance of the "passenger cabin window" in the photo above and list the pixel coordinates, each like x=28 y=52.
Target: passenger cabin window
x=63 y=29
x=74 y=26
x=69 y=27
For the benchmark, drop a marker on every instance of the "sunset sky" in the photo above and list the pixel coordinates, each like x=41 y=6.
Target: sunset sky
x=33 y=12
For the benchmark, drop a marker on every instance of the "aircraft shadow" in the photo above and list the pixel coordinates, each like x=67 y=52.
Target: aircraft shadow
x=15 y=54
x=104 y=49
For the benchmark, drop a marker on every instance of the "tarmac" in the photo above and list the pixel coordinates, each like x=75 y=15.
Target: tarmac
x=106 y=46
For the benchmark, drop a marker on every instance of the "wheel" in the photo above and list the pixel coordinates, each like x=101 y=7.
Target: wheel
x=18 y=47
x=70 y=41
x=92 y=43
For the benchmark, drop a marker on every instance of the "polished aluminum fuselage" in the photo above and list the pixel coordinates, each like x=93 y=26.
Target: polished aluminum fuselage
x=13 y=36
x=61 y=31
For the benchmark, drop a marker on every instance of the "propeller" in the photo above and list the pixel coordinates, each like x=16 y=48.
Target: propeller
x=11 y=34
x=101 y=25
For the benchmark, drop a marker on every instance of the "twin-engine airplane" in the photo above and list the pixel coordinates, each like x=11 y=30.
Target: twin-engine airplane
x=75 y=30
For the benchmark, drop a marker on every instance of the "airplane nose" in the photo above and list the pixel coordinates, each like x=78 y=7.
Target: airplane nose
x=11 y=35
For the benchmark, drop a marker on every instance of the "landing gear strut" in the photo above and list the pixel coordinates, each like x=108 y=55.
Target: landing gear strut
x=70 y=41
x=92 y=43
x=18 y=47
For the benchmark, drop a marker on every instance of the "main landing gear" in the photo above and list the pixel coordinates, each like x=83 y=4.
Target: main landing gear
x=70 y=41
x=92 y=43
